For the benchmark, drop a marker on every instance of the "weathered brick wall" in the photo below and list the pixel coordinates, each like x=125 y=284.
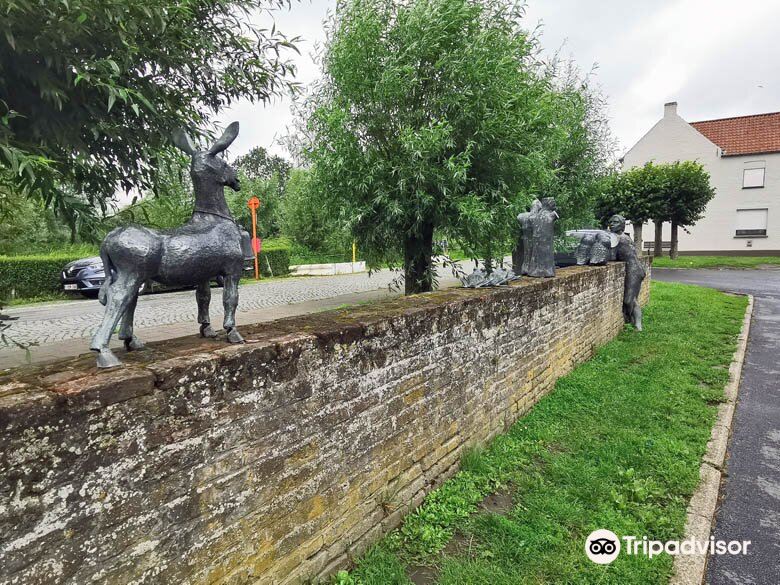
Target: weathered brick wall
x=277 y=460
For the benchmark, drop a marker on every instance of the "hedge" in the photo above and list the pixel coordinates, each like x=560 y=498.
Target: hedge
x=30 y=276
x=277 y=255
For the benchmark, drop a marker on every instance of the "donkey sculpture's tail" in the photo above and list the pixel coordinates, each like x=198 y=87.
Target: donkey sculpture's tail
x=108 y=270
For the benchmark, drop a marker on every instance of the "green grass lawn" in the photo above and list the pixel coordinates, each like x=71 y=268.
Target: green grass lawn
x=617 y=445
x=715 y=261
x=46 y=297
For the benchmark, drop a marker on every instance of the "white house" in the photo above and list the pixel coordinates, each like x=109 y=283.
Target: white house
x=742 y=156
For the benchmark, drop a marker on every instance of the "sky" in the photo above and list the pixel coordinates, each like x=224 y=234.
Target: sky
x=716 y=58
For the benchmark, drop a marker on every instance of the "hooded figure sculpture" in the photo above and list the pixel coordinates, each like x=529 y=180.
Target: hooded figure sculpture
x=208 y=245
x=538 y=231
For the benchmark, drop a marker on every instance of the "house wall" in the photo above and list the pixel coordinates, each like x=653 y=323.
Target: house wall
x=280 y=460
x=673 y=139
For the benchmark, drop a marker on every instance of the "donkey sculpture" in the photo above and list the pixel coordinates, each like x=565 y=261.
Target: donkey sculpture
x=210 y=244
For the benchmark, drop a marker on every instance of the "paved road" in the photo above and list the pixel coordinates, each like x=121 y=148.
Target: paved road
x=63 y=329
x=750 y=506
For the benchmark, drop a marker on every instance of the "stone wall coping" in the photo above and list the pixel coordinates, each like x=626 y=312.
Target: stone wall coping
x=76 y=383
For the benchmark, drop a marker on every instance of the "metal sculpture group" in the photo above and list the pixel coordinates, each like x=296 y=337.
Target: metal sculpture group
x=596 y=247
x=210 y=244
x=538 y=253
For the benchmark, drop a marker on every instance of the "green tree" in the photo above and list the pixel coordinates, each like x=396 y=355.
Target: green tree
x=638 y=194
x=258 y=164
x=678 y=193
x=688 y=193
x=268 y=214
x=169 y=205
x=308 y=221
x=90 y=90
x=434 y=116
x=265 y=176
x=581 y=150
x=26 y=225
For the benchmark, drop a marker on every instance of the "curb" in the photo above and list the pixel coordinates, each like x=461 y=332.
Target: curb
x=689 y=569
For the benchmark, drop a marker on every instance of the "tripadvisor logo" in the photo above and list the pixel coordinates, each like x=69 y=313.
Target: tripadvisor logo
x=603 y=546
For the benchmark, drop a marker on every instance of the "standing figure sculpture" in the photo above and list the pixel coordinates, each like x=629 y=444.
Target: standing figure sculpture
x=635 y=272
x=526 y=236
x=210 y=244
x=538 y=227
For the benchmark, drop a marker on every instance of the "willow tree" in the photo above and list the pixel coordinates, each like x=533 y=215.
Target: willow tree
x=90 y=90
x=431 y=117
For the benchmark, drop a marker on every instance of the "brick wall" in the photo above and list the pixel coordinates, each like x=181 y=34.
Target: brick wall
x=280 y=459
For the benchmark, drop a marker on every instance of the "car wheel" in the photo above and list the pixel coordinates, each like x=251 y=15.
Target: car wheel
x=220 y=280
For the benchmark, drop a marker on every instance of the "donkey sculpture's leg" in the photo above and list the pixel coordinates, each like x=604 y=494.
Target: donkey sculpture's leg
x=126 y=329
x=120 y=295
x=203 y=296
x=230 y=301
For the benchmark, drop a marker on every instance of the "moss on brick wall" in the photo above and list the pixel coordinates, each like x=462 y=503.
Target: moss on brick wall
x=277 y=460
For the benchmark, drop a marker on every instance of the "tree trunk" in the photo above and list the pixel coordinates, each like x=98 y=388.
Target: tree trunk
x=637 y=236
x=418 y=261
x=673 y=248
x=658 y=247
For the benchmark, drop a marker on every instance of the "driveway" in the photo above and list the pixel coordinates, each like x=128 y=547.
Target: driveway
x=750 y=496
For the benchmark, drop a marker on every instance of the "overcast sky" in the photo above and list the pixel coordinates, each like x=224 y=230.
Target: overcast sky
x=716 y=58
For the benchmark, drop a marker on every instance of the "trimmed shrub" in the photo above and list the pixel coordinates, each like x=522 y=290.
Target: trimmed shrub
x=30 y=276
x=276 y=254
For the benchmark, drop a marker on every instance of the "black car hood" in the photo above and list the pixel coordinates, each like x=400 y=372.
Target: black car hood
x=84 y=262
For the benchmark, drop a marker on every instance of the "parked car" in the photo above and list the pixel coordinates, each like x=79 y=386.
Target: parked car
x=86 y=276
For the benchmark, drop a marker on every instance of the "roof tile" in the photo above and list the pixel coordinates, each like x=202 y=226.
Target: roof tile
x=756 y=134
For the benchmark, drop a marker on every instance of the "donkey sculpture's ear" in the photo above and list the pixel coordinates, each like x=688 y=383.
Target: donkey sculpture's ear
x=182 y=140
x=226 y=139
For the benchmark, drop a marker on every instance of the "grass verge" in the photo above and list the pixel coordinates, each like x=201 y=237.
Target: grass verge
x=45 y=297
x=617 y=445
x=716 y=261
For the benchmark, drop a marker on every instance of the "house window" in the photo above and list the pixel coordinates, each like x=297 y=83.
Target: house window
x=751 y=223
x=753 y=178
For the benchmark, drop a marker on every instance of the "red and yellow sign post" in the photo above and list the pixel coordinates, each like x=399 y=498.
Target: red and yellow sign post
x=257 y=243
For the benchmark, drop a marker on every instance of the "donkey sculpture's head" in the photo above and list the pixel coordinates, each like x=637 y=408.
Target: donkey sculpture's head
x=207 y=168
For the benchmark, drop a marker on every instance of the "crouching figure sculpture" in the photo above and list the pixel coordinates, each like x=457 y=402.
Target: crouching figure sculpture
x=635 y=272
x=210 y=244
x=596 y=247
